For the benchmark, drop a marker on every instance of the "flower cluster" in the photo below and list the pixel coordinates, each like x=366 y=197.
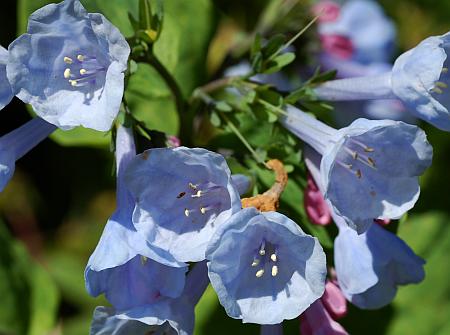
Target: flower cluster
x=179 y=205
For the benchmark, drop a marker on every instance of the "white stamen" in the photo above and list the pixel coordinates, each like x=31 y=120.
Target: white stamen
x=197 y=195
x=262 y=252
x=83 y=71
x=273 y=257
x=186 y=212
x=274 y=270
x=73 y=82
x=67 y=73
x=368 y=149
x=259 y=273
x=144 y=260
x=203 y=210
x=255 y=262
x=68 y=60
x=194 y=187
x=80 y=58
x=371 y=161
x=359 y=174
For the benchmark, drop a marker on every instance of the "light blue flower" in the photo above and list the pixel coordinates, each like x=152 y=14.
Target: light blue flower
x=369 y=169
x=370 y=266
x=127 y=269
x=6 y=93
x=183 y=195
x=241 y=182
x=166 y=316
x=419 y=78
x=371 y=33
x=70 y=66
x=17 y=143
x=264 y=268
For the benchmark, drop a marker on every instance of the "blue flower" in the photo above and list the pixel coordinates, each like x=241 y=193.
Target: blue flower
x=70 y=66
x=127 y=269
x=165 y=316
x=370 y=32
x=420 y=79
x=369 y=169
x=17 y=143
x=182 y=195
x=370 y=266
x=6 y=93
x=264 y=268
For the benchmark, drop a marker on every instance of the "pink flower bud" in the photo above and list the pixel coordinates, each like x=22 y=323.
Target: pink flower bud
x=328 y=10
x=315 y=205
x=334 y=300
x=316 y=321
x=337 y=45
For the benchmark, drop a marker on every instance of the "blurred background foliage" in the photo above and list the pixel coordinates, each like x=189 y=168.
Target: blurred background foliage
x=53 y=211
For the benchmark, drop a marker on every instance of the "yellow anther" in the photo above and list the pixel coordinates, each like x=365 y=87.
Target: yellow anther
x=368 y=149
x=259 y=273
x=144 y=260
x=441 y=84
x=73 y=82
x=80 y=58
x=358 y=173
x=203 y=210
x=262 y=252
x=83 y=71
x=371 y=161
x=255 y=262
x=355 y=155
x=67 y=73
x=437 y=90
x=186 y=212
x=274 y=270
x=273 y=257
x=68 y=60
x=444 y=70
x=197 y=195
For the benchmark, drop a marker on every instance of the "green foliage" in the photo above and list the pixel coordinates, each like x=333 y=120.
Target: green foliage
x=29 y=296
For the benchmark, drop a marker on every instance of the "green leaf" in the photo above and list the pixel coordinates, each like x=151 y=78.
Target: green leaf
x=279 y=62
x=275 y=43
x=29 y=296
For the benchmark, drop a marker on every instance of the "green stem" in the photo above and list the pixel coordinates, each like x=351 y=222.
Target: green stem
x=242 y=139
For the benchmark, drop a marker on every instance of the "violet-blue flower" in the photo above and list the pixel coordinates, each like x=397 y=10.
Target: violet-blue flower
x=369 y=267
x=264 y=268
x=419 y=78
x=124 y=266
x=369 y=169
x=17 y=143
x=6 y=93
x=167 y=316
x=182 y=195
x=70 y=66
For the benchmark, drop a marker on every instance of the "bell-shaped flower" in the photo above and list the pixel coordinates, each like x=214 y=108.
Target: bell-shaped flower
x=17 y=143
x=383 y=262
x=419 y=78
x=369 y=169
x=370 y=266
x=264 y=268
x=166 y=316
x=70 y=66
x=124 y=266
x=6 y=93
x=182 y=196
